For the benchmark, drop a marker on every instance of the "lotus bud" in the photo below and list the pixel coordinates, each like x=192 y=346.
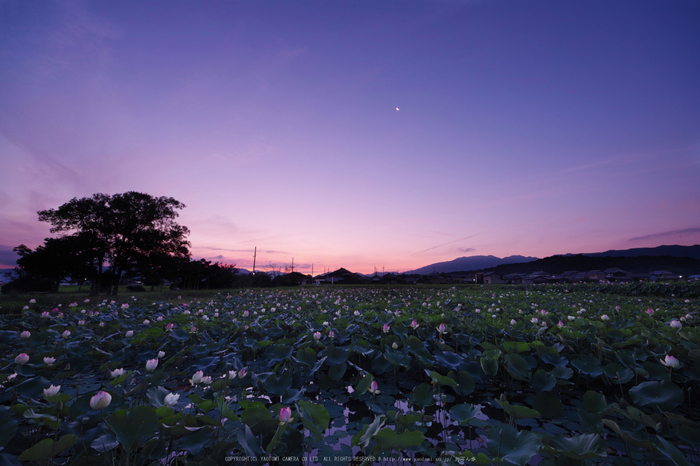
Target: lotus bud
x=670 y=361
x=151 y=364
x=25 y=334
x=22 y=358
x=286 y=415
x=101 y=400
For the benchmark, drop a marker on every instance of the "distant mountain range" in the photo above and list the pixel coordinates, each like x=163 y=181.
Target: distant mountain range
x=673 y=251
x=681 y=258
x=463 y=264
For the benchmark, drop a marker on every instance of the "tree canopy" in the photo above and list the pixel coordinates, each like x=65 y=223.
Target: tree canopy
x=128 y=233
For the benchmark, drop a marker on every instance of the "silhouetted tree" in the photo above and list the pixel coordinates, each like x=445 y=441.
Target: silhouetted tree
x=123 y=231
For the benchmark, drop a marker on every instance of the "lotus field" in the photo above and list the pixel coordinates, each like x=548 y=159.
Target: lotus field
x=333 y=375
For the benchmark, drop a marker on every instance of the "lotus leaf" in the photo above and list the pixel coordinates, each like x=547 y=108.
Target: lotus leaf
x=664 y=395
x=514 y=447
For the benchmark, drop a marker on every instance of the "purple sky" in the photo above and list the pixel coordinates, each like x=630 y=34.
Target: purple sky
x=359 y=134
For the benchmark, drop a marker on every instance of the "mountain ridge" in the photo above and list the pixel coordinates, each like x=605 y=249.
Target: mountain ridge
x=474 y=263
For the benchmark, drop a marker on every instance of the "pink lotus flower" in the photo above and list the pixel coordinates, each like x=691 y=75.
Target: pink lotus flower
x=676 y=324
x=101 y=400
x=246 y=313
x=197 y=377
x=151 y=364
x=171 y=399
x=441 y=329
x=560 y=324
x=51 y=391
x=604 y=317
x=317 y=336
x=66 y=333
x=286 y=415
x=22 y=358
x=242 y=373
x=650 y=311
x=385 y=328
x=414 y=325
x=170 y=326
x=670 y=361
x=129 y=333
x=374 y=388
x=25 y=334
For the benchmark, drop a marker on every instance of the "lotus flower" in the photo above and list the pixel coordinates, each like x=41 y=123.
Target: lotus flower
x=534 y=320
x=650 y=311
x=161 y=354
x=414 y=325
x=66 y=333
x=670 y=361
x=151 y=364
x=231 y=375
x=51 y=391
x=116 y=373
x=374 y=388
x=385 y=328
x=197 y=377
x=22 y=358
x=101 y=400
x=286 y=415
x=513 y=322
x=676 y=324
x=242 y=373
x=317 y=335
x=129 y=334
x=45 y=314
x=171 y=399
x=25 y=334
x=560 y=324
x=32 y=301
x=604 y=317
x=331 y=334
x=206 y=380
x=170 y=326
x=394 y=345
x=49 y=360
x=441 y=329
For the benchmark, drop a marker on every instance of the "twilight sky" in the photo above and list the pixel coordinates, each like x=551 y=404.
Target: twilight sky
x=359 y=134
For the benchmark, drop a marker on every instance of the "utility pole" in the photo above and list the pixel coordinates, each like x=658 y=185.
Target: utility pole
x=255 y=255
x=292 y=265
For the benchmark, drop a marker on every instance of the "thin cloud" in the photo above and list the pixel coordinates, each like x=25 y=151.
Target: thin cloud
x=266 y=251
x=444 y=244
x=466 y=249
x=684 y=232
